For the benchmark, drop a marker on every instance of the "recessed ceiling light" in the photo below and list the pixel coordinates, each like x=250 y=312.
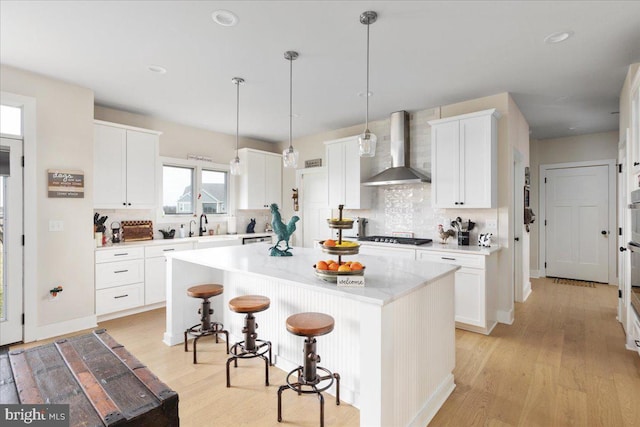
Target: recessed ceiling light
x=157 y=69
x=224 y=18
x=558 y=37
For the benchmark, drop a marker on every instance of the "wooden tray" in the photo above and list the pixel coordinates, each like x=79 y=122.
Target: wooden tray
x=137 y=230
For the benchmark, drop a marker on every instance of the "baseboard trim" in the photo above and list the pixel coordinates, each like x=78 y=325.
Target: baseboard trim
x=527 y=292
x=129 y=312
x=435 y=402
x=534 y=274
x=66 y=327
x=505 y=317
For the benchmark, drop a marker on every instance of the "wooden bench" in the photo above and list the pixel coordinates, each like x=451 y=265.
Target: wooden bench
x=102 y=383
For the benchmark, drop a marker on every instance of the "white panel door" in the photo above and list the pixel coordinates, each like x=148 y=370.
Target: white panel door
x=141 y=169
x=273 y=179
x=475 y=162
x=446 y=164
x=11 y=255
x=577 y=231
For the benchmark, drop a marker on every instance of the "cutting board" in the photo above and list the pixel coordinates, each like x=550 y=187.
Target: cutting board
x=137 y=230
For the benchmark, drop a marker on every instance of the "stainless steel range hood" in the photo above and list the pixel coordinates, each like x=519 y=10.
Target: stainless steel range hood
x=400 y=172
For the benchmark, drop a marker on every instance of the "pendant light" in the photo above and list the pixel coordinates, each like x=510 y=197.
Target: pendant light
x=290 y=154
x=235 y=163
x=367 y=140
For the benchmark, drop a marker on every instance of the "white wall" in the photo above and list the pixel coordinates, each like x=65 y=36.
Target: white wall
x=64 y=139
x=579 y=148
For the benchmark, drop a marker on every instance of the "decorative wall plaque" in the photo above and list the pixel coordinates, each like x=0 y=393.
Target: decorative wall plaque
x=65 y=184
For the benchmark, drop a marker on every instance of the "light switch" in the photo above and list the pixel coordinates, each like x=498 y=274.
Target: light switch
x=56 y=225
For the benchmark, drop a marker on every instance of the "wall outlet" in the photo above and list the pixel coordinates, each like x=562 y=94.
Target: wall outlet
x=56 y=225
x=492 y=224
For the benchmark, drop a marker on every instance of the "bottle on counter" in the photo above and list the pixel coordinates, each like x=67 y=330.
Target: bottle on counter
x=182 y=232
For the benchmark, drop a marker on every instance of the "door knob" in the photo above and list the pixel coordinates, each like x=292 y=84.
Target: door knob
x=622 y=249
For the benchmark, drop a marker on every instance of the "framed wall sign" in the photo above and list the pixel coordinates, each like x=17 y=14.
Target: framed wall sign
x=65 y=184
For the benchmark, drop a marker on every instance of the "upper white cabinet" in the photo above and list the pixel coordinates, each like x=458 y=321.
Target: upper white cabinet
x=125 y=162
x=261 y=179
x=345 y=170
x=464 y=157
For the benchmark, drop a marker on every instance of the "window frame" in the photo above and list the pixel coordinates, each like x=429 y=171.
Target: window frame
x=198 y=166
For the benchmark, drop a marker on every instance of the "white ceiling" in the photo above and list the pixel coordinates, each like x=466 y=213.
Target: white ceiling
x=423 y=54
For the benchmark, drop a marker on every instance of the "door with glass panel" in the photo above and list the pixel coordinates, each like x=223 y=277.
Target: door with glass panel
x=10 y=241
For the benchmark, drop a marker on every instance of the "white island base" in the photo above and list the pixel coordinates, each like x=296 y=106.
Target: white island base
x=393 y=343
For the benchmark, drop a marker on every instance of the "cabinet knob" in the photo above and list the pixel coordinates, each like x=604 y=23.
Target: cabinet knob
x=462 y=203
x=129 y=204
x=517 y=239
x=636 y=163
x=622 y=249
x=457 y=203
x=124 y=204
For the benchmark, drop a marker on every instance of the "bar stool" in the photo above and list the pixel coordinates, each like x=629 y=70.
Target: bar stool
x=206 y=327
x=247 y=349
x=310 y=325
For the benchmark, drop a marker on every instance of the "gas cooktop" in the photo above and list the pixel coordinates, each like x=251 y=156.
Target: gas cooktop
x=393 y=239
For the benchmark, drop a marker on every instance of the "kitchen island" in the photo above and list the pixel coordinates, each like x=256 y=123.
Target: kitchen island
x=393 y=343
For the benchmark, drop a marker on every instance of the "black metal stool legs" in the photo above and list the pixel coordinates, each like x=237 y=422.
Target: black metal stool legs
x=250 y=348
x=205 y=328
x=307 y=376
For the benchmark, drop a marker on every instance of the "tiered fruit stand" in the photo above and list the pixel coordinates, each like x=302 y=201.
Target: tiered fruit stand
x=339 y=250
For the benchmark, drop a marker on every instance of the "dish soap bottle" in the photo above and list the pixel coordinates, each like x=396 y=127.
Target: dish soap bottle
x=182 y=231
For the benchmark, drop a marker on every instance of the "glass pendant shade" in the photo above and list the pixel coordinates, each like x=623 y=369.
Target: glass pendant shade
x=290 y=157
x=367 y=143
x=234 y=166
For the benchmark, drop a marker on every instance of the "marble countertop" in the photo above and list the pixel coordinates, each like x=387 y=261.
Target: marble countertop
x=386 y=278
x=435 y=246
x=177 y=240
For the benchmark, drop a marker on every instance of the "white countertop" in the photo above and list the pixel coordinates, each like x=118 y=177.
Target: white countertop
x=435 y=246
x=181 y=240
x=386 y=278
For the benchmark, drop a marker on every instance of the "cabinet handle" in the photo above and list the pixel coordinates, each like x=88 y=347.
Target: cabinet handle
x=121 y=296
x=122 y=254
x=636 y=163
x=121 y=271
x=447 y=258
x=637 y=343
x=168 y=250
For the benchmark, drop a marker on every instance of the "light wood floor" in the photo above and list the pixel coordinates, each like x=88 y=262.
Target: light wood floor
x=562 y=363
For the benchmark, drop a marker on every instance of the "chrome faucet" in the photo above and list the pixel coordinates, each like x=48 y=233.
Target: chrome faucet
x=192 y=222
x=203 y=228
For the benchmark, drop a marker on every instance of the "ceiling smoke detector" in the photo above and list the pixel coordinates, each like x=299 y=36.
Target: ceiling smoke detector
x=224 y=18
x=558 y=37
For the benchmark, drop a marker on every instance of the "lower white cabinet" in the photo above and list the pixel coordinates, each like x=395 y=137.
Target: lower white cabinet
x=119 y=280
x=476 y=288
x=155 y=267
x=635 y=331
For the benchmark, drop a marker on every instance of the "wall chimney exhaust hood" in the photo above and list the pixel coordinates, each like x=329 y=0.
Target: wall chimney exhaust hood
x=399 y=172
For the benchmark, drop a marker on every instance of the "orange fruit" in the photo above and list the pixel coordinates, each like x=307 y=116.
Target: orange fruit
x=322 y=265
x=329 y=243
x=330 y=261
x=356 y=266
x=334 y=266
x=344 y=268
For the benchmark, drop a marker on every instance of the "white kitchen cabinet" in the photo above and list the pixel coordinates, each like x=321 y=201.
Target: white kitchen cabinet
x=385 y=251
x=260 y=183
x=464 y=156
x=635 y=331
x=155 y=270
x=345 y=171
x=125 y=163
x=476 y=288
x=119 y=280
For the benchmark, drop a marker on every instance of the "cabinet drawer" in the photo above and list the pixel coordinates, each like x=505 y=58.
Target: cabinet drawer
x=119 y=298
x=463 y=260
x=161 y=250
x=110 y=274
x=121 y=254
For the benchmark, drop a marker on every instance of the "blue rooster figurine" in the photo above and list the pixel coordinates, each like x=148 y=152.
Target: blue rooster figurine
x=282 y=230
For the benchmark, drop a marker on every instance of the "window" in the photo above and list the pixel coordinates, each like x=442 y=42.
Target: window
x=214 y=192
x=10 y=120
x=177 y=190
x=188 y=188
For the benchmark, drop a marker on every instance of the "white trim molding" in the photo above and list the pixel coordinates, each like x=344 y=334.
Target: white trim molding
x=66 y=327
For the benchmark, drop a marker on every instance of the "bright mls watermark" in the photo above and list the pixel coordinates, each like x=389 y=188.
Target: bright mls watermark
x=34 y=415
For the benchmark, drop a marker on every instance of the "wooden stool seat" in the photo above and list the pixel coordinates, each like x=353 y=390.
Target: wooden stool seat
x=205 y=291
x=249 y=304
x=310 y=324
